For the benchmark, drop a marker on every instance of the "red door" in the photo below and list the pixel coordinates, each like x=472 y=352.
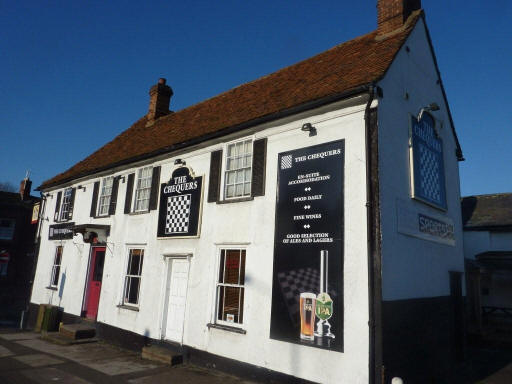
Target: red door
x=94 y=285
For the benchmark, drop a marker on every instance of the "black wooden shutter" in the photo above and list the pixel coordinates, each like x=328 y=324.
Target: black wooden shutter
x=129 y=192
x=94 y=202
x=155 y=184
x=71 y=204
x=259 y=161
x=113 y=196
x=215 y=174
x=57 y=207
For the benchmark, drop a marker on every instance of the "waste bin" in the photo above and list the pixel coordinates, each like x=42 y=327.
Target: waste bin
x=40 y=316
x=50 y=319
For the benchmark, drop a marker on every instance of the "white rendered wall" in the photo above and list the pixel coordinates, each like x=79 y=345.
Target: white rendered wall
x=476 y=242
x=412 y=267
x=249 y=223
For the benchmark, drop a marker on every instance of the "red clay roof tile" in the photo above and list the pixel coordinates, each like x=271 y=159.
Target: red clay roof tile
x=341 y=69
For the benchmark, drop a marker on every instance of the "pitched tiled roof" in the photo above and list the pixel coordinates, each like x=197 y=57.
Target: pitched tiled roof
x=342 y=69
x=14 y=198
x=487 y=211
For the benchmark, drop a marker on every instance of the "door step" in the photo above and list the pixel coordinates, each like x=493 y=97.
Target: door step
x=162 y=355
x=57 y=338
x=68 y=334
x=77 y=331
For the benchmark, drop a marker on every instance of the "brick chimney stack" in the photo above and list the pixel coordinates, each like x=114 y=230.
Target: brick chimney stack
x=25 y=186
x=159 y=99
x=392 y=14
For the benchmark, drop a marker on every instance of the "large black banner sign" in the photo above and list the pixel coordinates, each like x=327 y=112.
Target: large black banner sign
x=180 y=205
x=307 y=290
x=61 y=231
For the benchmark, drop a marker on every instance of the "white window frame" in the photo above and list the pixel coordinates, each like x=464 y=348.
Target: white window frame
x=65 y=203
x=225 y=159
x=55 y=272
x=140 y=189
x=217 y=296
x=105 y=195
x=126 y=277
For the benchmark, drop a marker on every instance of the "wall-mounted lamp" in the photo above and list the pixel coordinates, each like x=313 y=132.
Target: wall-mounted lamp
x=432 y=107
x=81 y=187
x=122 y=178
x=179 y=162
x=307 y=127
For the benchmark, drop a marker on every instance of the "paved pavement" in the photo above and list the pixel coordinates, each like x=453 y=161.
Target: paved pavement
x=485 y=364
x=26 y=359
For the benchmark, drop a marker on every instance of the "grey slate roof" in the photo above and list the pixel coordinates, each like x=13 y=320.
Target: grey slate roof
x=487 y=212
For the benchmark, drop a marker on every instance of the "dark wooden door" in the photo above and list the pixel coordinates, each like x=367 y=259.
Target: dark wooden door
x=94 y=285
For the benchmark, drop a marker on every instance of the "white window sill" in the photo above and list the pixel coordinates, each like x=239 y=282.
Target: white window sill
x=139 y=212
x=129 y=307
x=228 y=328
x=235 y=200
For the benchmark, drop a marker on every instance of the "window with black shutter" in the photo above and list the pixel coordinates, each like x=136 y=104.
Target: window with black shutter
x=57 y=206
x=105 y=196
x=259 y=161
x=129 y=192
x=155 y=183
x=238 y=172
x=94 y=202
x=113 y=197
x=64 y=205
x=215 y=173
x=71 y=204
x=142 y=190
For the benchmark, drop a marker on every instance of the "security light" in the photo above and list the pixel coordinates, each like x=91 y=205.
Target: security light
x=307 y=127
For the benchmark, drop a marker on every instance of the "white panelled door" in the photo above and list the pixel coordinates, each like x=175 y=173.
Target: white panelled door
x=176 y=300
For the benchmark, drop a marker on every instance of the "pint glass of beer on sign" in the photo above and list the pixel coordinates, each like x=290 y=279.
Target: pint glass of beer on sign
x=307 y=315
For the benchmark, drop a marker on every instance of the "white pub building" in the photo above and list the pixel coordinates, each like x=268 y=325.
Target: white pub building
x=304 y=227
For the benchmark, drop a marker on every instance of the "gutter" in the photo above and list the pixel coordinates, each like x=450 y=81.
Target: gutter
x=223 y=132
x=373 y=244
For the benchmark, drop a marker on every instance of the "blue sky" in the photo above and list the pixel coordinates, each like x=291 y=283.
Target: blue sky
x=75 y=74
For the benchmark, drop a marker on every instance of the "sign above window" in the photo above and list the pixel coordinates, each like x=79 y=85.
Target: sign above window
x=427 y=164
x=180 y=205
x=61 y=231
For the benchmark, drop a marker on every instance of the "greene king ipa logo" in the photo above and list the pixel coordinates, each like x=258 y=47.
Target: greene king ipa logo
x=324 y=306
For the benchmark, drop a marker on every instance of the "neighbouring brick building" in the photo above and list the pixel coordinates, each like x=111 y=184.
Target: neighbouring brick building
x=17 y=250
x=305 y=225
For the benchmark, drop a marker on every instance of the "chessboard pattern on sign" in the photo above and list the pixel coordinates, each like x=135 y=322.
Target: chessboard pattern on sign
x=430 y=173
x=286 y=162
x=295 y=282
x=178 y=214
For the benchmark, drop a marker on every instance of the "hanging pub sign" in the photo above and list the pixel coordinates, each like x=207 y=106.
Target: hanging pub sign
x=427 y=165
x=61 y=231
x=35 y=213
x=180 y=205
x=307 y=289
